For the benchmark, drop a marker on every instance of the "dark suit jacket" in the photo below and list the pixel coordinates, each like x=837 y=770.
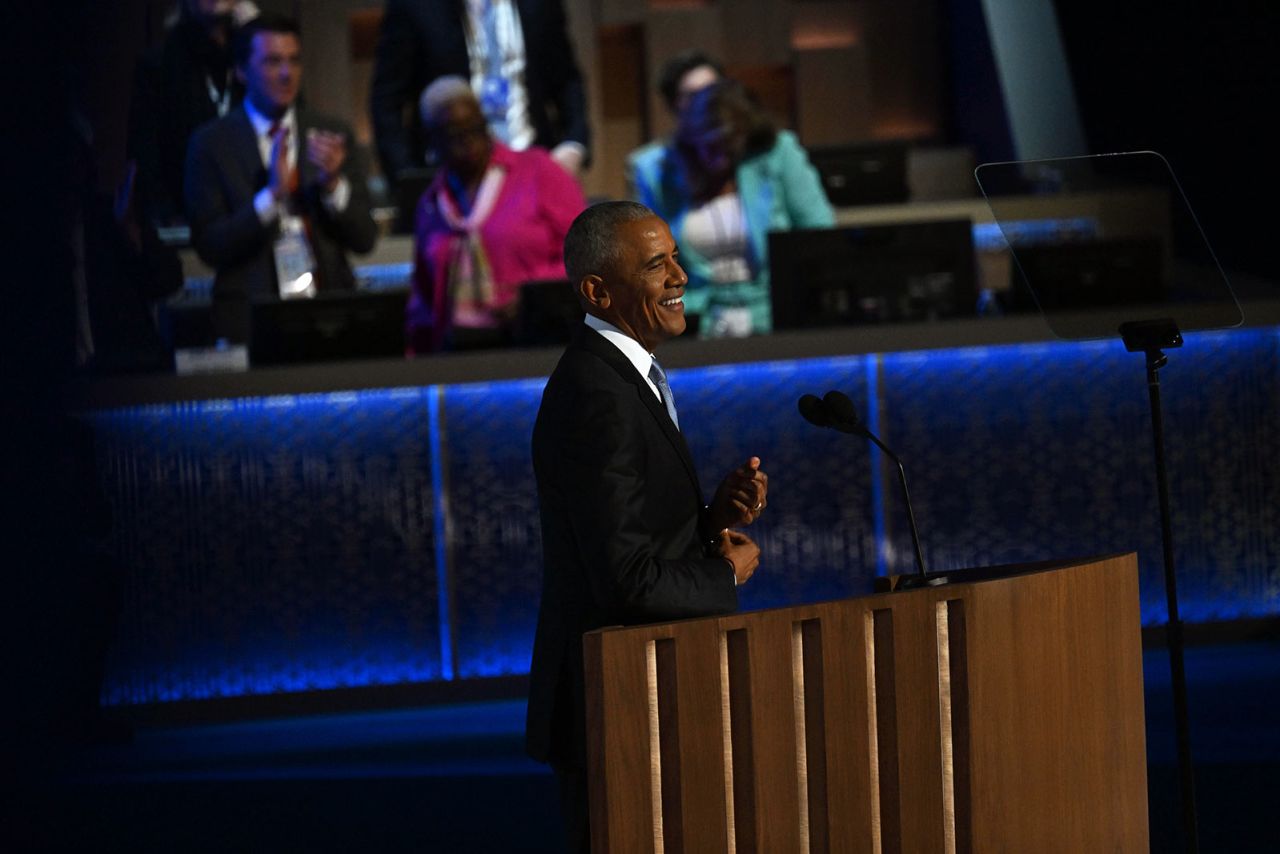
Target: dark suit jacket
x=170 y=100
x=425 y=39
x=224 y=172
x=621 y=510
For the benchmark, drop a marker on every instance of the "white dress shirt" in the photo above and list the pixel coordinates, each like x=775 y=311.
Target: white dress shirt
x=636 y=354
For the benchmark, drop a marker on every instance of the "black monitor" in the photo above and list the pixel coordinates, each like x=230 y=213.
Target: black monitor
x=871 y=173
x=328 y=327
x=873 y=273
x=1085 y=276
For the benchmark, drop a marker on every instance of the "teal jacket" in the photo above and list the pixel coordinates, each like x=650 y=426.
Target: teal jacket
x=780 y=190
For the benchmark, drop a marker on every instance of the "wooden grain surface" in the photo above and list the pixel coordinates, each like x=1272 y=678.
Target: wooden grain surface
x=997 y=715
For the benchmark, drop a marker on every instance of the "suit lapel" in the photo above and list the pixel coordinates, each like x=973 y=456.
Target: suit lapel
x=596 y=344
x=244 y=149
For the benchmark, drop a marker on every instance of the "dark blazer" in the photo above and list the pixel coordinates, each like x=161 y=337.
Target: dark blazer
x=170 y=100
x=224 y=171
x=621 y=513
x=421 y=40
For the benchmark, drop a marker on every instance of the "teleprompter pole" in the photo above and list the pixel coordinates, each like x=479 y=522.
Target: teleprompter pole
x=1150 y=337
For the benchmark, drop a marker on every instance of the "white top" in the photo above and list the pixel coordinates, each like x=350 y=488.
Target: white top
x=718 y=232
x=636 y=354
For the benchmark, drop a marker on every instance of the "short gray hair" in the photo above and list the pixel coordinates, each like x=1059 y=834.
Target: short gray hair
x=591 y=246
x=442 y=92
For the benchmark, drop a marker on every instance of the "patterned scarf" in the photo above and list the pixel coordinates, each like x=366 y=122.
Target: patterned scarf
x=470 y=277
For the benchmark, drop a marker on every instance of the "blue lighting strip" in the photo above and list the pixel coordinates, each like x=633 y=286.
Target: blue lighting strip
x=199 y=486
x=996 y=236
x=434 y=395
x=877 y=482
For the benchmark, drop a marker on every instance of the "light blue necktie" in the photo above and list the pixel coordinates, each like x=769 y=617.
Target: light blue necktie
x=660 y=380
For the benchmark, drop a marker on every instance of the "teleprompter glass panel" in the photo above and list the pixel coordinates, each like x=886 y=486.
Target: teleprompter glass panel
x=1134 y=250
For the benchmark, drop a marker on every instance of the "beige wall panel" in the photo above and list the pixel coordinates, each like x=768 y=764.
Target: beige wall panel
x=905 y=53
x=610 y=12
x=668 y=32
x=755 y=32
x=833 y=99
x=615 y=143
x=827 y=24
x=584 y=20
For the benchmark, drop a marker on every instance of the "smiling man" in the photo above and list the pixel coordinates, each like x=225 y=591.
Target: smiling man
x=276 y=195
x=626 y=536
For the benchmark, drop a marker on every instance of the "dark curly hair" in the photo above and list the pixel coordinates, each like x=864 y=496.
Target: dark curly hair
x=677 y=67
x=728 y=107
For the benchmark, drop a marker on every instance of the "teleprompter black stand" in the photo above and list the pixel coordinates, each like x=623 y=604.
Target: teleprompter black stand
x=1122 y=252
x=1153 y=337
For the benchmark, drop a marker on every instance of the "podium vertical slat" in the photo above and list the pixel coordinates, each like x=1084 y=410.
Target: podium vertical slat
x=773 y=733
x=920 y=789
x=618 y=724
x=848 y=720
x=702 y=760
x=817 y=802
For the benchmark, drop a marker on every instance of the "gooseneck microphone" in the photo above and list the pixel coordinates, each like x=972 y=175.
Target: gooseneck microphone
x=835 y=411
x=815 y=411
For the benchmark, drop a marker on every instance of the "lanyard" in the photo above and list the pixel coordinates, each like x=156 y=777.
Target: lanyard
x=221 y=102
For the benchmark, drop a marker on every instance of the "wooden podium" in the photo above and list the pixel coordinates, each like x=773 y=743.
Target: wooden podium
x=1001 y=711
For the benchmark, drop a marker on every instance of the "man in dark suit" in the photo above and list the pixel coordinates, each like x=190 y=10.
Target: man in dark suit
x=271 y=180
x=626 y=537
x=525 y=43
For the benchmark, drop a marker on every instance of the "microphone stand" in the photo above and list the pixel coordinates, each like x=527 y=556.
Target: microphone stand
x=911 y=516
x=1151 y=337
x=837 y=412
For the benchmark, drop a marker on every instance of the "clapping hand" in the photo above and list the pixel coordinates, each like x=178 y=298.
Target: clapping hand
x=327 y=151
x=740 y=498
x=741 y=551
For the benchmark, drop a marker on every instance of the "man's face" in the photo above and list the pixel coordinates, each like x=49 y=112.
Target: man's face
x=273 y=73
x=645 y=286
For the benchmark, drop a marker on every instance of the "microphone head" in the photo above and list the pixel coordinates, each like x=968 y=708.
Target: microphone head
x=842 y=413
x=814 y=410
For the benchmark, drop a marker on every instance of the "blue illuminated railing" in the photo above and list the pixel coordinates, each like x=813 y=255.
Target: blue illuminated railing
x=311 y=542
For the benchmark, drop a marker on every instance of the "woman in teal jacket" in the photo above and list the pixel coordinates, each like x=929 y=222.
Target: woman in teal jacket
x=725 y=181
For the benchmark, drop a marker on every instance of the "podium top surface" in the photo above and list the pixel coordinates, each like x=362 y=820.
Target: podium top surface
x=913 y=581
x=904 y=583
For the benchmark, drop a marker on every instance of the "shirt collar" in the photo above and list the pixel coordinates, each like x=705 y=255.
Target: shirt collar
x=262 y=124
x=636 y=354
